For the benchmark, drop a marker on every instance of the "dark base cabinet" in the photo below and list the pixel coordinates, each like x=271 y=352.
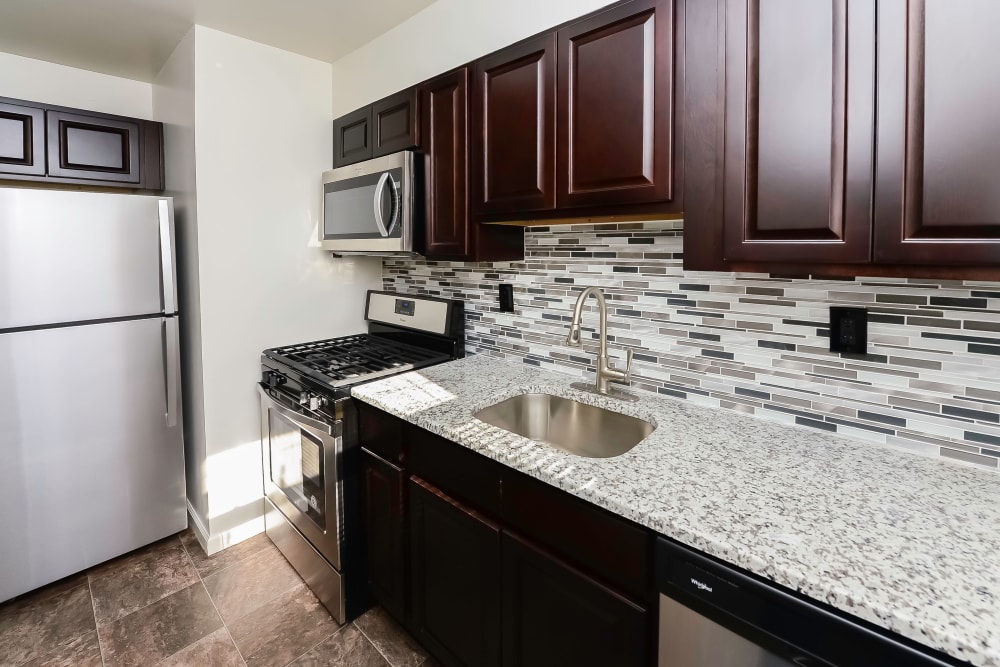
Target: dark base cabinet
x=455 y=555
x=487 y=566
x=556 y=615
x=385 y=532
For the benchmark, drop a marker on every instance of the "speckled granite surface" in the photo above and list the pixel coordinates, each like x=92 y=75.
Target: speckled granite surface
x=909 y=543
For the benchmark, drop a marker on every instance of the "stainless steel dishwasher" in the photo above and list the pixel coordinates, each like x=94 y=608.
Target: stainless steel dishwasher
x=712 y=615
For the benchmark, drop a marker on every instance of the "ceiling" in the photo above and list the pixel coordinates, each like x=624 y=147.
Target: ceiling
x=133 y=38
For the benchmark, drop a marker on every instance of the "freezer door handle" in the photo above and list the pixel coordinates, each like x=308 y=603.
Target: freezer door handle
x=167 y=284
x=170 y=359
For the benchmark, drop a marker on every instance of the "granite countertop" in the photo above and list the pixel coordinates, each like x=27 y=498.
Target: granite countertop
x=909 y=543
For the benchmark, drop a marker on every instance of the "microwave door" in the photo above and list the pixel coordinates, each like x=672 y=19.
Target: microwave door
x=369 y=209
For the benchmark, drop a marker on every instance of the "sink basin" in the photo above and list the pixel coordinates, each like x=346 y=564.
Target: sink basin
x=574 y=427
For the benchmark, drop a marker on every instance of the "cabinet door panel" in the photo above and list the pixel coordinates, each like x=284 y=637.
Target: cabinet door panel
x=395 y=123
x=799 y=131
x=937 y=200
x=554 y=615
x=444 y=107
x=384 y=520
x=352 y=137
x=91 y=147
x=22 y=140
x=456 y=591
x=616 y=106
x=514 y=121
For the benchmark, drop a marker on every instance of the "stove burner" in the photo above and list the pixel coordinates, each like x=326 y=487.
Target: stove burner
x=353 y=359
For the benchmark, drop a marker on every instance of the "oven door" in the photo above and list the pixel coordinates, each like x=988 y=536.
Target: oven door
x=302 y=472
x=368 y=207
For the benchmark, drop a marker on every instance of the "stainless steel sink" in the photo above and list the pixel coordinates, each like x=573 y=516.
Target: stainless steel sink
x=574 y=427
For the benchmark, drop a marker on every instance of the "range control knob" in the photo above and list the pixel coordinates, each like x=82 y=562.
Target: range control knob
x=316 y=402
x=304 y=398
x=273 y=379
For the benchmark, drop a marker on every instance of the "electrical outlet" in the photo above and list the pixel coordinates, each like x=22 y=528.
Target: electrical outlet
x=849 y=330
x=506 y=298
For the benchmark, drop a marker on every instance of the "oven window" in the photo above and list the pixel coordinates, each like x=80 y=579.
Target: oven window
x=297 y=468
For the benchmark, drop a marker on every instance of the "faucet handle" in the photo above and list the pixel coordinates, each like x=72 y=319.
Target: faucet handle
x=628 y=366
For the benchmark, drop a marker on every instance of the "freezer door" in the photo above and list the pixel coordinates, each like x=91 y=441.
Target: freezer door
x=90 y=467
x=80 y=256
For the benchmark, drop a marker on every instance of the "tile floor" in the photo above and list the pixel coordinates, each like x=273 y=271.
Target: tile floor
x=169 y=604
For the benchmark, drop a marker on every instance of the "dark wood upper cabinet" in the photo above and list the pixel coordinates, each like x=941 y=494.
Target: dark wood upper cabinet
x=22 y=140
x=809 y=151
x=514 y=113
x=450 y=232
x=352 y=137
x=444 y=111
x=556 y=615
x=49 y=144
x=799 y=133
x=616 y=114
x=88 y=147
x=936 y=199
x=396 y=123
x=455 y=554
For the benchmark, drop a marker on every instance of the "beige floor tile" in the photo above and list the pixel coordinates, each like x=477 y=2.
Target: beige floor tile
x=140 y=581
x=246 y=585
x=34 y=627
x=391 y=639
x=160 y=630
x=282 y=629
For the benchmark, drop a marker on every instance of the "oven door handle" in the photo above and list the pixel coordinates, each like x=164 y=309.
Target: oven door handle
x=295 y=416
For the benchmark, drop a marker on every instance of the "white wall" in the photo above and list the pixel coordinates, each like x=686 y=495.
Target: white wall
x=40 y=81
x=173 y=105
x=447 y=34
x=263 y=137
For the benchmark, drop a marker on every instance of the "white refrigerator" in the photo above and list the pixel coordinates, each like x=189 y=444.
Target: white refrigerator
x=91 y=445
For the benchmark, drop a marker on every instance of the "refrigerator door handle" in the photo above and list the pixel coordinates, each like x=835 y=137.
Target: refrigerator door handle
x=170 y=348
x=167 y=284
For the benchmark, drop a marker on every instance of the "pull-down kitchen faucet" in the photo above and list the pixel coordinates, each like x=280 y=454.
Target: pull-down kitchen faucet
x=605 y=372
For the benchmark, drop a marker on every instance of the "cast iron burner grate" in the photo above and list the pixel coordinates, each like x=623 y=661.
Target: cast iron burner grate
x=353 y=359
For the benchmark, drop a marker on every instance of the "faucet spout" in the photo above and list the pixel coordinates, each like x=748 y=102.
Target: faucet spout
x=605 y=372
x=573 y=339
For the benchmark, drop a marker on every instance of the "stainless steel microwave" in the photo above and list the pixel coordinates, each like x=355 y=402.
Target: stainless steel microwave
x=370 y=208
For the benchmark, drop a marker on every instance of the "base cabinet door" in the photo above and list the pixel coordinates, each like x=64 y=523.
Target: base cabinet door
x=385 y=536
x=22 y=140
x=555 y=615
x=455 y=564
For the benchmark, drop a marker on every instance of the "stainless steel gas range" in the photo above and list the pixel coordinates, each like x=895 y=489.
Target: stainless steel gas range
x=309 y=435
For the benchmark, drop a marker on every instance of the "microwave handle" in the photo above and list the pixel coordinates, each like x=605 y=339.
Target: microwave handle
x=379 y=190
x=383 y=181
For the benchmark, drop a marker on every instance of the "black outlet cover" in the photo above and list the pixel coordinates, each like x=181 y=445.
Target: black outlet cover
x=506 y=298
x=849 y=330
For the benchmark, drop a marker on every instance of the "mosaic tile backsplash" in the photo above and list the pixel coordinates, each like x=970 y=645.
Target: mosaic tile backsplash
x=746 y=342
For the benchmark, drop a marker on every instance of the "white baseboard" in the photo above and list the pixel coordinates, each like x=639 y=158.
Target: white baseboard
x=199 y=529
x=213 y=544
